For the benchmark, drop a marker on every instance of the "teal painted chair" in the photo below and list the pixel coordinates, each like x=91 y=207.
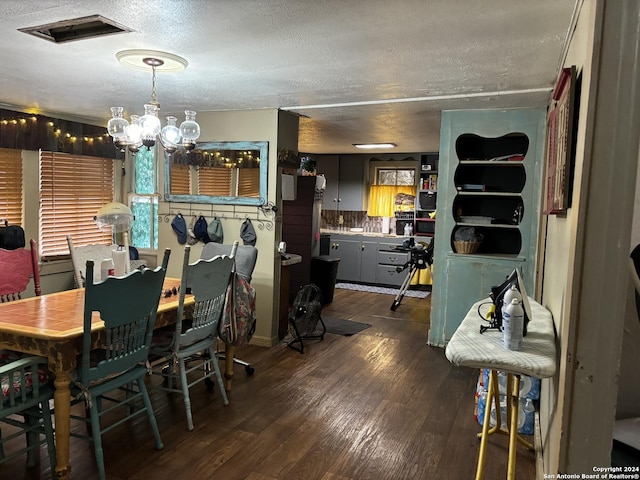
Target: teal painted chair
x=185 y=353
x=24 y=405
x=112 y=378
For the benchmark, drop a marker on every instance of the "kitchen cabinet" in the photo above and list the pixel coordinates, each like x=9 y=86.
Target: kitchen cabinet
x=489 y=180
x=388 y=261
x=357 y=258
x=365 y=259
x=347 y=181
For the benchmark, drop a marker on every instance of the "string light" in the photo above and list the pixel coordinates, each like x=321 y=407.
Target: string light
x=56 y=130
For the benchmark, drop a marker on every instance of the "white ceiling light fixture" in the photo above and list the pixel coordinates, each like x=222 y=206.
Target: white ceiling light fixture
x=375 y=145
x=146 y=129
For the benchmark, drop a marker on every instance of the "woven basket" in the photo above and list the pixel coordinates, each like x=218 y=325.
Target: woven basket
x=466 y=247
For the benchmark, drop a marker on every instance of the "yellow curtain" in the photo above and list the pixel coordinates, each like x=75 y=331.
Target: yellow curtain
x=382 y=199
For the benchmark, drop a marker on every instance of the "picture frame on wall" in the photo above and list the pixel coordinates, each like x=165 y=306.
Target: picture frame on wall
x=560 y=143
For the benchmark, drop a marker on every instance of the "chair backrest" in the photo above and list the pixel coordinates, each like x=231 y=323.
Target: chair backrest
x=80 y=256
x=127 y=305
x=16 y=268
x=207 y=280
x=245 y=257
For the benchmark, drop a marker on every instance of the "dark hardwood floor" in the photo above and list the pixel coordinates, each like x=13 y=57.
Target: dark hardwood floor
x=380 y=404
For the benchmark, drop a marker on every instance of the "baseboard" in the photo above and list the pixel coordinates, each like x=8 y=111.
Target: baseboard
x=537 y=444
x=264 y=341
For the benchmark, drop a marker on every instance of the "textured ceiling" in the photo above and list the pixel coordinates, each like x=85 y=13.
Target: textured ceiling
x=356 y=71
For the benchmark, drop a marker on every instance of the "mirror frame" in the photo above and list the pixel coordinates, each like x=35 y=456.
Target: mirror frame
x=263 y=146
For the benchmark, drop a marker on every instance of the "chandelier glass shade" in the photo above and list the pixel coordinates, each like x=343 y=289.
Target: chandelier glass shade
x=147 y=129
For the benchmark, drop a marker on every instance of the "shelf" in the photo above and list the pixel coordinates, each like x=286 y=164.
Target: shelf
x=473 y=193
x=486 y=225
x=485 y=255
x=500 y=163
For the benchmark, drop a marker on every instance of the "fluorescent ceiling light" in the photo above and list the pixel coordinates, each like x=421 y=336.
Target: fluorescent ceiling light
x=375 y=145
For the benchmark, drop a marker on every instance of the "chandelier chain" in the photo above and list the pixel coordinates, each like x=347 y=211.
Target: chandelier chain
x=154 y=98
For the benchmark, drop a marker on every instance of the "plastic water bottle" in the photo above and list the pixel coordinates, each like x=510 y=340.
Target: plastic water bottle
x=512 y=325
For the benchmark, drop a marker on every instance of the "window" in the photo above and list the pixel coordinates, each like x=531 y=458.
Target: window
x=394 y=190
x=144 y=202
x=72 y=190
x=11 y=186
x=395 y=176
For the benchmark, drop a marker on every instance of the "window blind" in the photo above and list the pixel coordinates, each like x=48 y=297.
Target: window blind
x=11 y=186
x=248 y=182
x=214 y=181
x=180 y=180
x=72 y=190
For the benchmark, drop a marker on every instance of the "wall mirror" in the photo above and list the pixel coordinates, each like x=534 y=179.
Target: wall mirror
x=233 y=173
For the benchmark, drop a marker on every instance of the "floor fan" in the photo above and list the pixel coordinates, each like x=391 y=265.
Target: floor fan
x=304 y=315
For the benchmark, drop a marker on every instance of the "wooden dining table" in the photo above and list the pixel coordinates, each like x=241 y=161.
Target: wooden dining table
x=52 y=326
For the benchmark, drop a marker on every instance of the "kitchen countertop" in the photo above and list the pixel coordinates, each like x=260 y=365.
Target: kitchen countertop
x=365 y=234
x=290 y=259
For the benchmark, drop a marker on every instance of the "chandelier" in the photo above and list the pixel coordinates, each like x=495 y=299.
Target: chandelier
x=147 y=129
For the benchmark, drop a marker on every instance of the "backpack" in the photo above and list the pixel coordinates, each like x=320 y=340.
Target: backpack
x=238 y=322
x=11 y=236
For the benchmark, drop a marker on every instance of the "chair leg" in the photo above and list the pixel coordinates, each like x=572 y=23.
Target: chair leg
x=216 y=371
x=96 y=434
x=150 y=413
x=185 y=393
x=32 y=437
x=229 y=352
x=48 y=433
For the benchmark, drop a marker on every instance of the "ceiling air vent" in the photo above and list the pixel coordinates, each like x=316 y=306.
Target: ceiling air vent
x=76 y=29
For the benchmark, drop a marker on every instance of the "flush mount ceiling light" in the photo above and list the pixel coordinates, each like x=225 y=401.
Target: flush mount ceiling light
x=145 y=130
x=375 y=145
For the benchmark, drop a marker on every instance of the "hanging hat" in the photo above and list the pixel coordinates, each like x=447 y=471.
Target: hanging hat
x=200 y=229
x=214 y=230
x=247 y=233
x=191 y=236
x=180 y=227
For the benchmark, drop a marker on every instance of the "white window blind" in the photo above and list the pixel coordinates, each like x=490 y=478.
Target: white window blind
x=11 y=186
x=72 y=190
x=214 y=181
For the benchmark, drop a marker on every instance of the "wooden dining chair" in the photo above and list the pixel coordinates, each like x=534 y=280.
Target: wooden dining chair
x=80 y=255
x=24 y=406
x=96 y=252
x=17 y=268
x=113 y=375
x=190 y=344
